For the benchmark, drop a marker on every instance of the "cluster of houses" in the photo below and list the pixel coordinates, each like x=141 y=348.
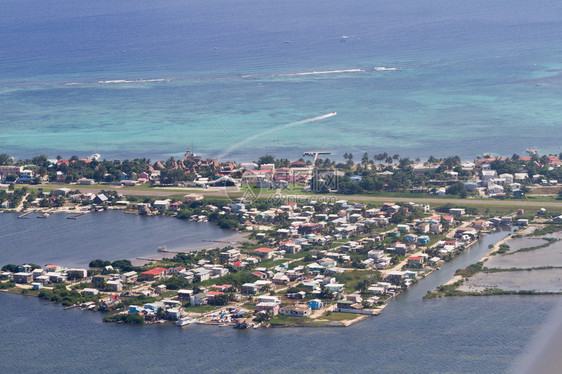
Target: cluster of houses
x=486 y=180
x=308 y=227
x=495 y=185
x=201 y=272
x=39 y=277
x=20 y=173
x=267 y=176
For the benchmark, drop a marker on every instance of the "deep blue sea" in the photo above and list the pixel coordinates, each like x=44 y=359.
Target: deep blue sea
x=452 y=335
x=234 y=78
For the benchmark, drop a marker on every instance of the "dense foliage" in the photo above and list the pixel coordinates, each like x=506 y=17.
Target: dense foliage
x=60 y=294
x=130 y=319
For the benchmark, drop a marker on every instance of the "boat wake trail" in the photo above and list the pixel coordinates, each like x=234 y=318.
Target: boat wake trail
x=282 y=127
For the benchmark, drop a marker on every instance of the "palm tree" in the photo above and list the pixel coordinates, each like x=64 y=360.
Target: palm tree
x=365 y=159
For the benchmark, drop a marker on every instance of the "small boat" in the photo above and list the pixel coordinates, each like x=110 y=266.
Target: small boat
x=185 y=321
x=242 y=323
x=163 y=249
x=43 y=215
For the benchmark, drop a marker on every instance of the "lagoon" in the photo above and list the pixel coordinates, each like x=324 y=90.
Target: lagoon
x=110 y=235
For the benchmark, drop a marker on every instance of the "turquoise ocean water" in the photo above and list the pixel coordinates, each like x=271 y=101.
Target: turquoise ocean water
x=129 y=79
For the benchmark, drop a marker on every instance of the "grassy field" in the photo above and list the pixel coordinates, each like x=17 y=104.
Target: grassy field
x=201 y=308
x=336 y=317
x=325 y=319
x=281 y=320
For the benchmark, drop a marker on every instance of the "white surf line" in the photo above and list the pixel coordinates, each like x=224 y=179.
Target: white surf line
x=117 y=81
x=303 y=74
x=321 y=72
x=288 y=125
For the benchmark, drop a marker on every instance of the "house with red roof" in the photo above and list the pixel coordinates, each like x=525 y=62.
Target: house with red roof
x=264 y=253
x=175 y=206
x=298 y=164
x=50 y=268
x=154 y=274
x=554 y=161
x=222 y=287
x=451 y=242
x=259 y=274
x=448 y=219
x=211 y=295
x=239 y=265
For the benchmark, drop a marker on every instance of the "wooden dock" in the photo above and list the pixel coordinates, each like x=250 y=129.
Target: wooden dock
x=148 y=259
x=74 y=216
x=24 y=215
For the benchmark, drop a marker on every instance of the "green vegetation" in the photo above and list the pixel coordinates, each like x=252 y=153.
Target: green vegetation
x=7 y=285
x=549 y=241
x=503 y=249
x=129 y=319
x=200 y=308
x=14 y=198
x=445 y=290
x=263 y=317
x=281 y=320
x=451 y=290
x=15 y=268
x=470 y=270
x=174 y=283
x=122 y=265
x=332 y=317
x=60 y=294
x=548 y=229
x=358 y=280
x=499 y=270
x=236 y=279
x=137 y=300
